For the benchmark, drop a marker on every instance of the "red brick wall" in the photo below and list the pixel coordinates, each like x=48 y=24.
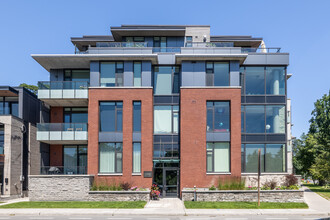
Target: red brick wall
x=193 y=134
x=127 y=96
x=56 y=151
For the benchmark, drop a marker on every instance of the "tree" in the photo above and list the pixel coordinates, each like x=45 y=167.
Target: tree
x=31 y=88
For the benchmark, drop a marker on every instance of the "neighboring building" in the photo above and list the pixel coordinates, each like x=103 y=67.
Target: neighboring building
x=167 y=104
x=19 y=113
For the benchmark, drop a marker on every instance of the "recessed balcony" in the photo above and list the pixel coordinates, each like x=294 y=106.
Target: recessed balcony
x=64 y=93
x=62 y=133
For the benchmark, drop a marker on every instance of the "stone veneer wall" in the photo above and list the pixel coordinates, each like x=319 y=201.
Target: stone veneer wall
x=245 y=195
x=252 y=179
x=76 y=188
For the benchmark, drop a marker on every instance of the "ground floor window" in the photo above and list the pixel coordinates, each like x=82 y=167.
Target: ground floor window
x=111 y=158
x=136 y=157
x=273 y=158
x=75 y=159
x=218 y=157
x=2 y=138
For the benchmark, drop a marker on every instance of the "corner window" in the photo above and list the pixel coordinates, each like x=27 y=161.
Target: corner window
x=255 y=119
x=136 y=116
x=217 y=74
x=166 y=119
x=137 y=71
x=111 y=74
x=254 y=80
x=111 y=116
x=275 y=80
x=217 y=157
x=218 y=117
x=275 y=119
x=136 y=157
x=9 y=106
x=111 y=158
x=166 y=80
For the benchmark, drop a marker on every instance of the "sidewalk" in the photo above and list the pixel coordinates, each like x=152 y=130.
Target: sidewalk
x=174 y=207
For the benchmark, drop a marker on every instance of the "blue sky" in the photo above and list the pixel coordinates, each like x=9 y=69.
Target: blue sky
x=301 y=28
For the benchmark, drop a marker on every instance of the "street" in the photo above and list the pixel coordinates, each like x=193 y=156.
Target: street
x=160 y=218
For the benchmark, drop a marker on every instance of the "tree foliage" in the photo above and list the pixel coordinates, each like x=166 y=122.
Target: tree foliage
x=31 y=88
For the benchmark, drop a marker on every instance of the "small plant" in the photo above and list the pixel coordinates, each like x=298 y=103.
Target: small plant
x=232 y=183
x=125 y=186
x=104 y=185
x=290 y=180
x=271 y=184
x=135 y=188
x=251 y=188
x=212 y=188
x=155 y=193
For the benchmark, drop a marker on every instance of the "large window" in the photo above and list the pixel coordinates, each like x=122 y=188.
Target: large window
x=217 y=74
x=111 y=158
x=9 y=106
x=218 y=157
x=166 y=150
x=136 y=157
x=160 y=44
x=2 y=138
x=263 y=80
x=273 y=158
x=136 y=116
x=76 y=75
x=166 y=80
x=111 y=74
x=111 y=116
x=218 y=117
x=76 y=115
x=137 y=71
x=166 y=119
x=263 y=118
x=75 y=159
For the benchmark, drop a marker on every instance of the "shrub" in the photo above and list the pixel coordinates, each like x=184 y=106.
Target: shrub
x=125 y=186
x=212 y=188
x=290 y=180
x=232 y=183
x=101 y=185
x=270 y=184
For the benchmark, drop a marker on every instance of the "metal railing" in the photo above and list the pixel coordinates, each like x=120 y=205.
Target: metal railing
x=48 y=127
x=122 y=44
x=209 y=44
x=261 y=50
x=63 y=170
x=166 y=49
x=63 y=85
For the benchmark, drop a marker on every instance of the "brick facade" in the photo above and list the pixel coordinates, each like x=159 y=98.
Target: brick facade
x=56 y=151
x=193 y=134
x=127 y=96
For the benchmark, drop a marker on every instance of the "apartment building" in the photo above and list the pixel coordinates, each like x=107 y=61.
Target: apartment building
x=20 y=152
x=166 y=104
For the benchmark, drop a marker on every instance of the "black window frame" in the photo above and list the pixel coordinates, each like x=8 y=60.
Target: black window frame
x=162 y=148
x=115 y=162
x=176 y=71
x=134 y=73
x=78 y=154
x=69 y=113
x=213 y=115
x=119 y=72
x=209 y=72
x=213 y=160
x=172 y=117
x=116 y=115
x=136 y=142
x=137 y=103
x=69 y=78
x=10 y=106
x=2 y=138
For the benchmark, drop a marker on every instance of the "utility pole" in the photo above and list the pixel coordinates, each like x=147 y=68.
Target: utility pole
x=259 y=177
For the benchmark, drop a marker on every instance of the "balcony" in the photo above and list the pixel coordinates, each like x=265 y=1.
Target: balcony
x=63 y=170
x=64 y=93
x=62 y=133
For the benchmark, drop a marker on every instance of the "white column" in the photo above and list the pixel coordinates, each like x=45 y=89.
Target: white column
x=276 y=84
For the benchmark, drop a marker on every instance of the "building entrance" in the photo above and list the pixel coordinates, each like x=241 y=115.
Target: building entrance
x=166 y=176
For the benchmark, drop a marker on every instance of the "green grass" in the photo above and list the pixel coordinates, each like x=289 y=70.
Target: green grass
x=85 y=205
x=321 y=190
x=244 y=205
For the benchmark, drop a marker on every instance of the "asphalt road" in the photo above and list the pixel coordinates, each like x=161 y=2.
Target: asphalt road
x=160 y=218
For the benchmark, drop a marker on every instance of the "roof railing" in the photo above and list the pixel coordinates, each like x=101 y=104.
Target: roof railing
x=261 y=50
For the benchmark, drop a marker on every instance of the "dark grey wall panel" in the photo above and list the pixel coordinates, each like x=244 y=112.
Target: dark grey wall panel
x=267 y=59
x=216 y=136
x=193 y=73
x=234 y=73
x=128 y=73
x=110 y=137
x=276 y=99
x=146 y=73
x=136 y=136
x=166 y=59
x=56 y=75
x=94 y=74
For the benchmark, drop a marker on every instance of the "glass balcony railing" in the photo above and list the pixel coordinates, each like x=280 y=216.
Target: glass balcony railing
x=261 y=50
x=122 y=44
x=209 y=44
x=62 y=132
x=63 y=89
x=63 y=170
x=166 y=49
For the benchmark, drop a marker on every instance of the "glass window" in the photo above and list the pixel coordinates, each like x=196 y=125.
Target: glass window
x=2 y=138
x=275 y=158
x=75 y=115
x=255 y=119
x=137 y=116
x=217 y=157
x=76 y=75
x=176 y=82
x=166 y=150
x=166 y=119
x=217 y=74
x=242 y=158
x=275 y=80
x=242 y=118
x=251 y=158
x=166 y=80
x=137 y=74
x=111 y=155
x=218 y=117
x=75 y=159
x=275 y=119
x=188 y=41
x=111 y=74
x=9 y=106
x=255 y=80
x=136 y=157
x=241 y=79
x=111 y=116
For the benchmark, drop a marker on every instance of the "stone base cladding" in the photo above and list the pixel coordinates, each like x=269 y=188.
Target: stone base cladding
x=76 y=188
x=245 y=195
x=252 y=180
x=119 y=195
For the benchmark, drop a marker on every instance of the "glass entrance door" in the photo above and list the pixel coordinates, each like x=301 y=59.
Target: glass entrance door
x=170 y=187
